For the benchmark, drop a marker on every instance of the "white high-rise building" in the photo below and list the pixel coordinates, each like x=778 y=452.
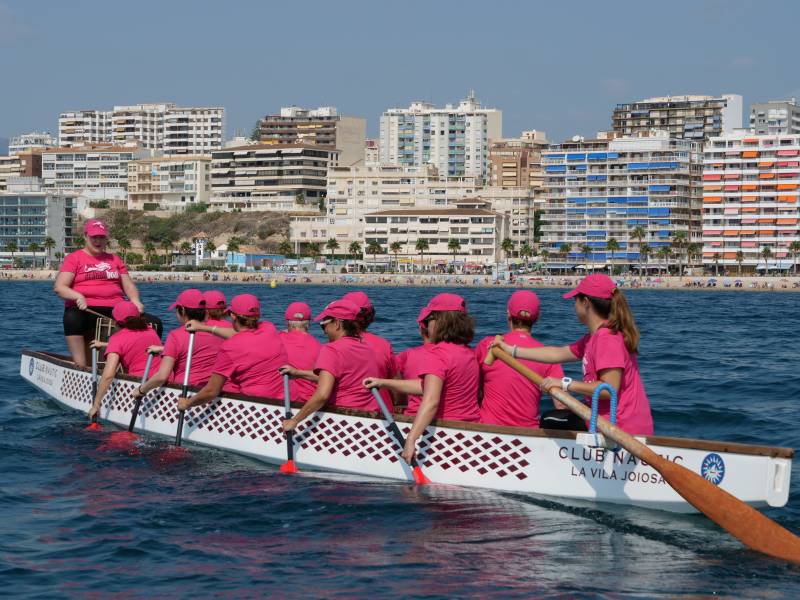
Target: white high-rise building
x=30 y=141
x=455 y=139
x=165 y=128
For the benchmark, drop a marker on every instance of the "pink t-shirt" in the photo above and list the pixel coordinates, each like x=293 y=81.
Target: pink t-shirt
x=456 y=366
x=132 y=349
x=410 y=364
x=98 y=278
x=606 y=350
x=204 y=355
x=386 y=362
x=302 y=348
x=250 y=361
x=350 y=360
x=508 y=397
x=218 y=323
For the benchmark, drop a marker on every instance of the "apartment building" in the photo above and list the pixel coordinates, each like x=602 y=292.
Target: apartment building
x=605 y=188
x=169 y=183
x=517 y=162
x=519 y=205
x=775 y=117
x=455 y=139
x=271 y=177
x=35 y=140
x=322 y=126
x=750 y=200
x=29 y=214
x=164 y=128
x=372 y=152
x=23 y=164
x=352 y=192
x=90 y=167
x=686 y=117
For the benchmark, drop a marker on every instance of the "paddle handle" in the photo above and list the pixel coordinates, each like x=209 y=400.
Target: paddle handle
x=94 y=379
x=138 y=401
x=287 y=405
x=185 y=389
x=392 y=426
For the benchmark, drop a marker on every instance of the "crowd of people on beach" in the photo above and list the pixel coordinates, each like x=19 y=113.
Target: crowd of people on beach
x=232 y=350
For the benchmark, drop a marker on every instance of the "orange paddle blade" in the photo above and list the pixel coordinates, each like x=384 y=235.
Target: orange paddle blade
x=288 y=467
x=94 y=427
x=419 y=476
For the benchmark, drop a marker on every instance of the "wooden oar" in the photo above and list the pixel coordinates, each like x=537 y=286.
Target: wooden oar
x=288 y=466
x=749 y=526
x=419 y=476
x=185 y=389
x=94 y=425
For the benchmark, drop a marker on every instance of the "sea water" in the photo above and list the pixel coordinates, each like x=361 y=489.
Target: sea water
x=78 y=521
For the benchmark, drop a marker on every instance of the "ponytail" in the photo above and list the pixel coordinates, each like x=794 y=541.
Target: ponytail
x=618 y=316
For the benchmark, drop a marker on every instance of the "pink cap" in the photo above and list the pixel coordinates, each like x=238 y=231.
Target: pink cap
x=123 y=310
x=191 y=298
x=215 y=299
x=443 y=302
x=298 y=311
x=524 y=301
x=360 y=299
x=245 y=305
x=95 y=227
x=339 y=309
x=595 y=285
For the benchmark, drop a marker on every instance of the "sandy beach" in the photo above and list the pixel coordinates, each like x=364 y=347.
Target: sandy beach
x=783 y=284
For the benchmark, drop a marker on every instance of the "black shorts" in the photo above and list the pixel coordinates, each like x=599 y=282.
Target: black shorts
x=80 y=322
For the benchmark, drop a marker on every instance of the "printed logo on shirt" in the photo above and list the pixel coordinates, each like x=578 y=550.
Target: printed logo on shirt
x=101 y=270
x=713 y=468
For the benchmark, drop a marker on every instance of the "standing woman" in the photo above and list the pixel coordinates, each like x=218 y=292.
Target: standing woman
x=608 y=352
x=95 y=279
x=127 y=347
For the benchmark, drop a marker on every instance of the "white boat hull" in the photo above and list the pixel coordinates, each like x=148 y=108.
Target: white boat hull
x=508 y=459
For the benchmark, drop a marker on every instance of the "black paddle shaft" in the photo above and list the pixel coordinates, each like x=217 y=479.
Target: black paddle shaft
x=398 y=435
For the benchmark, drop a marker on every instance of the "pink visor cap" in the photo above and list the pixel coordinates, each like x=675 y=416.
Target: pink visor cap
x=339 y=309
x=443 y=302
x=245 y=305
x=215 y=299
x=298 y=311
x=191 y=298
x=595 y=285
x=124 y=310
x=360 y=299
x=95 y=227
x=524 y=301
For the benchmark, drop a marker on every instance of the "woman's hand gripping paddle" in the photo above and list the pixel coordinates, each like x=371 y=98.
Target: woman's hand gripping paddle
x=288 y=466
x=94 y=425
x=419 y=476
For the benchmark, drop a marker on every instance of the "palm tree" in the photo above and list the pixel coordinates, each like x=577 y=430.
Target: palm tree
x=49 y=244
x=586 y=250
x=354 y=250
x=665 y=252
x=124 y=245
x=693 y=251
x=421 y=246
x=58 y=256
x=313 y=251
x=395 y=248
x=186 y=248
x=507 y=246
x=766 y=254
x=612 y=245
x=454 y=246
x=740 y=260
x=545 y=254
x=210 y=246
x=285 y=248
x=33 y=248
x=794 y=249
x=644 y=253
x=564 y=249
x=233 y=244
x=374 y=248
x=149 y=250
x=525 y=251
x=716 y=263
x=166 y=246
x=332 y=246
x=679 y=242
x=12 y=247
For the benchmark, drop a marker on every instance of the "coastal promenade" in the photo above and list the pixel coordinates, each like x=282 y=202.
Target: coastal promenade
x=782 y=284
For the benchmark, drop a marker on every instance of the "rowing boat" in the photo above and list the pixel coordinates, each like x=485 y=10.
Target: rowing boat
x=563 y=464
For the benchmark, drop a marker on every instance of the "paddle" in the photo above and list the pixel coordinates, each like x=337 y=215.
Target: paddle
x=94 y=425
x=419 y=476
x=121 y=438
x=185 y=389
x=743 y=522
x=288 y=466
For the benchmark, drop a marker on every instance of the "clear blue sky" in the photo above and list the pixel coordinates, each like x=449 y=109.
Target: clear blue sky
x=559 y=66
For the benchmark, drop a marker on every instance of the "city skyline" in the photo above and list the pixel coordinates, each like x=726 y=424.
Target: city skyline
x=543 y=66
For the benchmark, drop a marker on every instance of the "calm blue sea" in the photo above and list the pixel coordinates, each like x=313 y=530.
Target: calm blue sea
x=79 y=522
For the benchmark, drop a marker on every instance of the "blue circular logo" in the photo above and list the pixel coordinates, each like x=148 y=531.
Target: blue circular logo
x=713 y=468
x=30 y=367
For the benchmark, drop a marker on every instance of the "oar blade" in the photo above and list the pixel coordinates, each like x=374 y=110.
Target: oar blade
x=94 y=426
x=288 y=467
x=419 y=477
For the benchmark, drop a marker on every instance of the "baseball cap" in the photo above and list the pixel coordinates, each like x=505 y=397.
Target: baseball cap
x=339 y=309
x=595 y=285
x=245 y=305
x=215 y=299
x=124 y=310
x=298 y=311
x=191 y=298
x=95 y=227
x=443 y=302
x=524 y=301
x=360 y=299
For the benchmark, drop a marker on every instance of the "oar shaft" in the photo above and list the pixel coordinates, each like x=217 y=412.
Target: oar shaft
x=392 y=426
x=287 y=405
x=138 y=402
x=185 y=389
x=94 y=379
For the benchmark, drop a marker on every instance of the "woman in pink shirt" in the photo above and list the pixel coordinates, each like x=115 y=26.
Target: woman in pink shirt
x=247 y=362
x=302 y=348
x=216 y=307
x=608 y=352
x=127 y=347
x=190 y=304
x=343 y=363
x=508 y=397
x=95 y=279
x=450 y=377
x=410 y=364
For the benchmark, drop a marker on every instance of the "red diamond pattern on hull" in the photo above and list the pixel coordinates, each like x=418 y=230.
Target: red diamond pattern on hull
x=339 y=436
x=77 y=386
x=244 y=419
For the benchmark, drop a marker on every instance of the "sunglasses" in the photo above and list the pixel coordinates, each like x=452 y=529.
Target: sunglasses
x=324 y=324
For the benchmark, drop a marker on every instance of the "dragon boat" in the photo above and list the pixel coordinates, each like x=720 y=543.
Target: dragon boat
x=560 y=464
